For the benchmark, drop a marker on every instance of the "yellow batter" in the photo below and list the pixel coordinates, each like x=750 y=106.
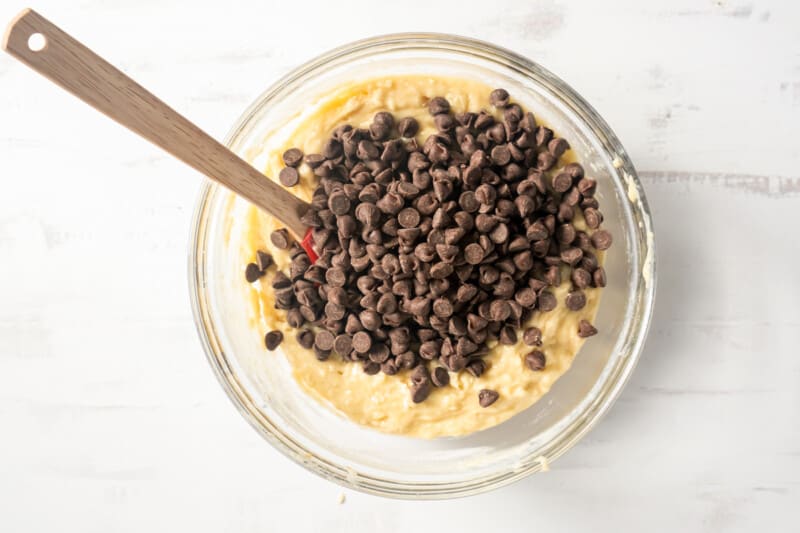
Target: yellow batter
x=380 y=401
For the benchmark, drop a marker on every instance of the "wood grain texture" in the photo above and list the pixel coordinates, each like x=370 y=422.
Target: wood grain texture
x=111 y=420
x=86 y=75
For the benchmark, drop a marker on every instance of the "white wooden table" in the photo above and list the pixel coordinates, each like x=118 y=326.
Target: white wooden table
x=110 y=419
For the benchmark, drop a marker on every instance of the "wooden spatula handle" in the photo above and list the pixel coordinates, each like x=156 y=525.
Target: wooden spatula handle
x=83 y=73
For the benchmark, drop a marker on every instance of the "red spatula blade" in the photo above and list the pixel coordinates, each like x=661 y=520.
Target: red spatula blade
x=308 y=245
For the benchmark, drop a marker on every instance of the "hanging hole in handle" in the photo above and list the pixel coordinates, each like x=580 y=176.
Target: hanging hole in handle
x=37 y=42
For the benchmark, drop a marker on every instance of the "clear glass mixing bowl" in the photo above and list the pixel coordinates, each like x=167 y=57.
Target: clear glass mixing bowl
x=262 y=388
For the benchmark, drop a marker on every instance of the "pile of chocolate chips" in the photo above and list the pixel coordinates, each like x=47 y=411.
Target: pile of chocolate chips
x=426 y=252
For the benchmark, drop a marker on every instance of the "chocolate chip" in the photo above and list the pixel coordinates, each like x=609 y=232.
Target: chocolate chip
x=571 y=256
x=421 y=391
x=324 y=340
x=379 y=353
x=508 y=335
x=264 y=260
x=593 y=217
x=280 y=238
x=532 y=336
x=483 y=120
x=601 y=239
x=476 y=367
x=535 y=360
x=352 y=324
x=472 y=175
x=581 y=278
x=438 y=105
x=466 y=119
x=336 y=277
x=343 y=344
x=385 y=118
x=499 y=234
x=543 y=136
x=420 y=376
x=322 y=355
x=443 y=123
x=408 y=127
x=537 y=231
x=406 y=360
x=390 y=204
x=379 y=131
x=442 y=307
x=526 y=297
x=408 y=217
x=370 y=368
x=586 y=329
x=571 y=198
x=465 y=347
x=528 y=123
x=425 y=252
x=465 y=293
x=457 y=326
x=305 y=338
x=314 y=160
x=294 y=318
x=512 y=113
x=485 y=223
x=446 y=252
x=311 y=218
x=430 y=349
x=441 y=270
x=586 y=186
x=488 y=275
x=252 y=272
x=387 y=303
x=389 y=367
x=292 y=157
x=523 y=261
x=288 y=176
x=504 y=208
x=575 y=170
x=499 y=310
x=338 y=203
x=575 y=300
x=557 y=147
x=499 y=98
x=599 y=277
x=392 y=151
x=501 y=155
x=487 y=397
x=545 y=161
x=547 y=301
x=442 y=189
x=582 y=241
x=440 y=377
x=370 y=319
x=332 y=149
x=273 y=339
x=367 y=150
x=562 y=182
x=308 y=313
x=453 y=235
x=362 y=342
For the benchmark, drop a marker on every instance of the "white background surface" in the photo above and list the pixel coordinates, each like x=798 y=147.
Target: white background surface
x=111 y=420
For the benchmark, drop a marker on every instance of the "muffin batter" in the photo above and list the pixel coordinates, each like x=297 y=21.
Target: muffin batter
x=381 y=401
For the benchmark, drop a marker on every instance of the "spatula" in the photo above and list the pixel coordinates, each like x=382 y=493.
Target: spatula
x=44 y=47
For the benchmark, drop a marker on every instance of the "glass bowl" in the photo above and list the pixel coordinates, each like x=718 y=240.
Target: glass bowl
x=261 y=385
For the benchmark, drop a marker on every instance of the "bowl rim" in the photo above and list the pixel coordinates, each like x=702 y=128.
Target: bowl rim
x=579 y=427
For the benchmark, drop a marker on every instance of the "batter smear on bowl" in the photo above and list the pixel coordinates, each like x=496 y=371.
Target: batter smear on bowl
x=460 y=256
